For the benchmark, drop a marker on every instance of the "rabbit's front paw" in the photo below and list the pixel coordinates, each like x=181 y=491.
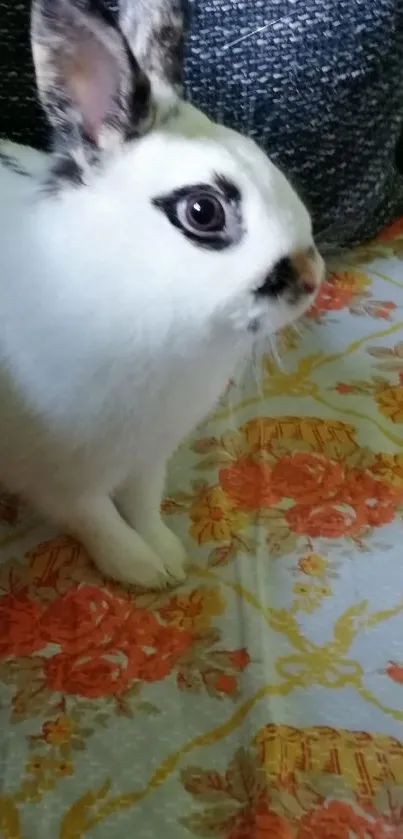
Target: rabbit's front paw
x=170 y=551
x=127 y=558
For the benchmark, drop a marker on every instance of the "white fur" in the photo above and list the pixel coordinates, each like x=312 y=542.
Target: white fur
x=117 y=335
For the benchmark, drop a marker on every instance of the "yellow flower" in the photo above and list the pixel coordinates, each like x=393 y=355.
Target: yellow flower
x=309 y=597
x=193 y=611
x=354 y=281
x=302 y=589
x=313 y=565
x=389 y=467
x=59 y=731
x=390 y=401
x=37 y=765
x=63 y=768
x=213 y=517
x=323 y=591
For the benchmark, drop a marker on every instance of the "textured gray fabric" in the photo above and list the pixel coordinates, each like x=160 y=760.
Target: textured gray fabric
x=321 y=89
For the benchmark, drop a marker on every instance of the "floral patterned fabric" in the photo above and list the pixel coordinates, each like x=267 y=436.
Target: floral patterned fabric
x=264 y=698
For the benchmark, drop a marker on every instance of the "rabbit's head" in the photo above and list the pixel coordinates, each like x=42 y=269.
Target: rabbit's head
x=196 y=210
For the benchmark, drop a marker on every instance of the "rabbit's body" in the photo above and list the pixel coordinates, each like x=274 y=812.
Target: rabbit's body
x=112 y=373
x=120 y=322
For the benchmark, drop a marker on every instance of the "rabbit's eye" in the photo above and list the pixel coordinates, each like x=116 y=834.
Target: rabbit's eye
x=203 y=213
x=208 y=215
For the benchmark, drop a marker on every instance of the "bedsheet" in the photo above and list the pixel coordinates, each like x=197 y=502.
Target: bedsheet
x=264 y=698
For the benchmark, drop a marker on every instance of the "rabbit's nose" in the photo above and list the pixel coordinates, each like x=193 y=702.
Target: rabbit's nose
x=299 y=274
x=309 y=269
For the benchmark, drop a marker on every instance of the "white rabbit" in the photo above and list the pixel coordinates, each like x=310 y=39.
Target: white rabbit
x=138 y=264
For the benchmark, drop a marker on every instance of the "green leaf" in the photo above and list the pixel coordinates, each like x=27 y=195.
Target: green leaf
x=360 y=458
x=245 y=545
x=222 y=555
x=200 y=486
x=233 y=444
x=31 y=700
x=213 y=461
x=102 y=720
x=245 y=778
x=206 y=445
x=394 y=365
x=148 y=708
x=281 y=542
x=217 y=822
x=86 y=732
x=206 y=786
x=78 y=745
x=380 y=352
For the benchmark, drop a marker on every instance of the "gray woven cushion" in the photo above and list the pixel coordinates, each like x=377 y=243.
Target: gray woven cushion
x=321 y=90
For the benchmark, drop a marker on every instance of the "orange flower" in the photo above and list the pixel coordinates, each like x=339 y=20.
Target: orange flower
x=240 y=659
x=225 y=683
x=331 y=298
x=59 y=731
x=386 y=829
x=158 y=655
x=261 y=824
x=379 y=513
x=193 y=611
x=269 y=825
x=106 y=644
x=140 y=629
x=60 y=561
x=20 y=626
x=374 y=501
x=214 y=518
x=83 y=619
x=383 y=310
x=344 y=388
x=395 y=672
x=336 y=820
x=326 y=520
x=153 y=667
x=390 y=401
x=307 y=478
x=248 y=484
x=91 y=676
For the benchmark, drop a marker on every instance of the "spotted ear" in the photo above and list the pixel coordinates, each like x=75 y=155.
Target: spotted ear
x=155 y=31
x=92 y=89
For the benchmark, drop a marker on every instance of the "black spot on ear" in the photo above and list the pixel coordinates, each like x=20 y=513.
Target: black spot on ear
x=65 y=171
x=171 y=41
x=139 y=106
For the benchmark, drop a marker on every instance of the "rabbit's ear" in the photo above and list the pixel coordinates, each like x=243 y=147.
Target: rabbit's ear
x=155 y=32
x=92 y=88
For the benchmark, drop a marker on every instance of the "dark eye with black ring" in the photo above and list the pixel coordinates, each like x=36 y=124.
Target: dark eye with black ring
x=208 y=215
x=202 y=213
